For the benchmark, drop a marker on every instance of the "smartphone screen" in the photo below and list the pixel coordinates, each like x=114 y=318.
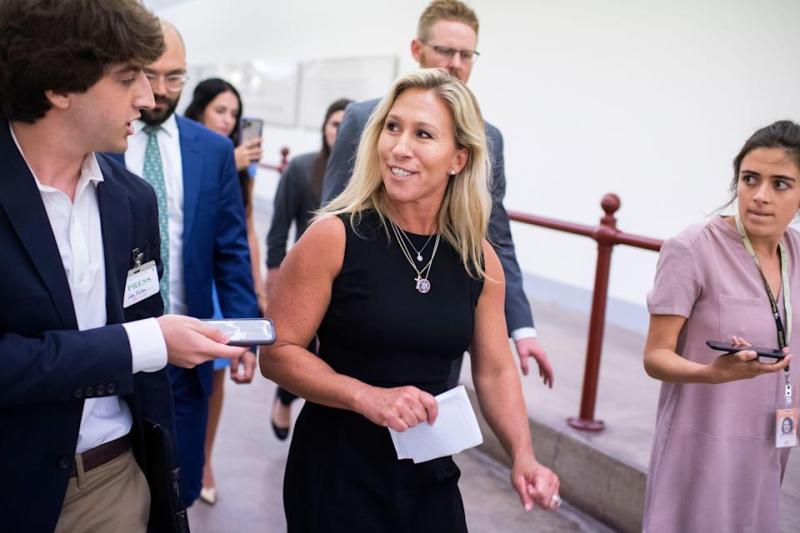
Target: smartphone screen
x=246 y=331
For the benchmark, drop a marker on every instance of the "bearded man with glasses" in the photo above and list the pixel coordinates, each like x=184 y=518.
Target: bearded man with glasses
x=203 y=238
x=447 y=35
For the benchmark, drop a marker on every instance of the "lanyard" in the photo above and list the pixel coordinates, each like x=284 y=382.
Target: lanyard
x=784 y=334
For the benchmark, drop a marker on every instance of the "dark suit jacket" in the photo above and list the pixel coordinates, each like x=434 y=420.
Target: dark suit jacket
x=294 y=201
x=340 y=168
x=47 y=366
x=215 y=245
x=215 y=251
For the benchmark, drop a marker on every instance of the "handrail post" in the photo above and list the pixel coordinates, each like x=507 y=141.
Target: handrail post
x=605 y=244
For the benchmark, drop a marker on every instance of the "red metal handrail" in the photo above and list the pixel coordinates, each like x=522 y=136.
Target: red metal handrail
x=607 y=236
x=280 y=167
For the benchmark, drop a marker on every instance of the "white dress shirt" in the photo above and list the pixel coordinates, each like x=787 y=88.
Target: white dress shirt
x=77 y=231
x=523 y=333
x=172 y=164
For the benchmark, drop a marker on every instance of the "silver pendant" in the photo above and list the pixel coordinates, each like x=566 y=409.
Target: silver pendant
x=419 y=257
x=423 y=285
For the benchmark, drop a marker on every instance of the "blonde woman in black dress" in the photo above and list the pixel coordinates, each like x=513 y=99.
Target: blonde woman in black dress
x=389 y=326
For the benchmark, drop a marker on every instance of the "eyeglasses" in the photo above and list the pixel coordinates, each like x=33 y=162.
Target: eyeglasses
x=467 y=56
x=173 y=82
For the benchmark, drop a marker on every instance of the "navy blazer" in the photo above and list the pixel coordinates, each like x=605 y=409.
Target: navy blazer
x=340 y=168
x=215 y=247
x=47 y=366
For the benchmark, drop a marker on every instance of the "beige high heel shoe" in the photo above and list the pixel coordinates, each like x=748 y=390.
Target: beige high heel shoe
x=208 y=495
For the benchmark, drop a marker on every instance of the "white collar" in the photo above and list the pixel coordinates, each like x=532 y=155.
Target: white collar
x=169 y=126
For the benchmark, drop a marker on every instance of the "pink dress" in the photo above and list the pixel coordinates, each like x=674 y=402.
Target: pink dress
x=714 y=466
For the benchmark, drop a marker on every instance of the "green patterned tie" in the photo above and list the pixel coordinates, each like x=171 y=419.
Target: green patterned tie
x=153 y=172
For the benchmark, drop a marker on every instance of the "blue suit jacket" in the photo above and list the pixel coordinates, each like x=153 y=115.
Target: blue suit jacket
x=340 y=168
x=47 y=366
x=215 y=245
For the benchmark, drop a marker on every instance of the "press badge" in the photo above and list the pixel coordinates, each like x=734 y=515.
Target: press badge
x=142 y=283
x=786 y=428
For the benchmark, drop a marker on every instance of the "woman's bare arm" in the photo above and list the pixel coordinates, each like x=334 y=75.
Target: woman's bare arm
x=662 y=362
x=497 y=384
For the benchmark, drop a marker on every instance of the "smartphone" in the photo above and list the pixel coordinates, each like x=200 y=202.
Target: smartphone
x=246 y=331
x=771 y=353
x=249 y=129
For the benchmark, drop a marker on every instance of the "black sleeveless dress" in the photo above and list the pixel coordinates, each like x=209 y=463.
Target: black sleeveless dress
x=342 y=474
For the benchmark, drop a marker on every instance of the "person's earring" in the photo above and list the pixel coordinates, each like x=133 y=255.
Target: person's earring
x=451 y=173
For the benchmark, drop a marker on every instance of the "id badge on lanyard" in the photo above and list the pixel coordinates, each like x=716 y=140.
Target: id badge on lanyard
x=142 y=281
x=786 y=417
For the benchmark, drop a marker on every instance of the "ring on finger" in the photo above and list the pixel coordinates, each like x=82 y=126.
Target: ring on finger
x=556 y=501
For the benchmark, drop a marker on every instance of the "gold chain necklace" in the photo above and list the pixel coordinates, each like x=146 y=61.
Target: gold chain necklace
x=421 y=281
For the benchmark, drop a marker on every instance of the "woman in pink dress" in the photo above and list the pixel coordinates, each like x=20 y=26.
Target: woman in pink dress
x=715 y=466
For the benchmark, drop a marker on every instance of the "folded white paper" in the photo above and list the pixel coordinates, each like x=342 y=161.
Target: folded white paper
x=454 y=430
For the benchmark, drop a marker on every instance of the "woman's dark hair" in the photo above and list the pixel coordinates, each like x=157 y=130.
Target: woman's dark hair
x=66 y=46
x=782 y=134
x=324 y=154
x=204 y=93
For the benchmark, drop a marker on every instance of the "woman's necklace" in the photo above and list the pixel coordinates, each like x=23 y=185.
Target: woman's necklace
x=418 y=252
x=422 y=283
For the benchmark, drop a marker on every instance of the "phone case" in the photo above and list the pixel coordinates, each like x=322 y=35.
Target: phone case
x=762 y=352
x=246 y=331
x=251 y=128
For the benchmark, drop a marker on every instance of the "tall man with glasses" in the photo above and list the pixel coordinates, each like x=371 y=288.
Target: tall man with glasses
x=203 y=238
x=447 y=35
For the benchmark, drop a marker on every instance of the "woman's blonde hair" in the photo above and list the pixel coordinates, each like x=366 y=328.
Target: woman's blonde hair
x=464 y=213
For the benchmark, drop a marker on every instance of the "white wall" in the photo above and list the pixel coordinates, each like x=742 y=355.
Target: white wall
x=648 y=99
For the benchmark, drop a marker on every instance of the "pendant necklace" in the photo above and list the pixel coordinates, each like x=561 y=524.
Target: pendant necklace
x=421 y=281
x=418 y=252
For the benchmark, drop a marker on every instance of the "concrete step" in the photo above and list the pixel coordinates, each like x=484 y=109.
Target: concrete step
x=604 y=487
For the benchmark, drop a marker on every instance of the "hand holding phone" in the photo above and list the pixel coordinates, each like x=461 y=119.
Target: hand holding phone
x=249 y=149
x=246 y=331
x=743 y=361
x=250 y=129
x=774 y=354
